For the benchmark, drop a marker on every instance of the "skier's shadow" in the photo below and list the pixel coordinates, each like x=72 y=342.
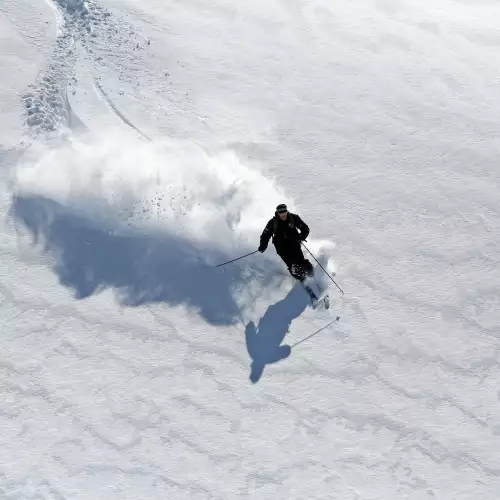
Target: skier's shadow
x=264 y=341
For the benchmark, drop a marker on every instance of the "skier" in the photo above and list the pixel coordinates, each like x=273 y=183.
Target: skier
x=286 y=239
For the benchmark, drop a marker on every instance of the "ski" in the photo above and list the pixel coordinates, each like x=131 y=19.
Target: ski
x=310 y=292
x=315 y=300
x=326 y=301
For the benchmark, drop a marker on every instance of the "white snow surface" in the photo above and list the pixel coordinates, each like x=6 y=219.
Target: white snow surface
x=143 y=143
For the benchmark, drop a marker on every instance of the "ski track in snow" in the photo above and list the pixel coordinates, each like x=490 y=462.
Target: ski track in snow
x=47 y=103
x=107 y=401
x=117 y=111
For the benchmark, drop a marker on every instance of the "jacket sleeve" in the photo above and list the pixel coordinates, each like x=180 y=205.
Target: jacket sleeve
x=266 y=234
x=302 y=227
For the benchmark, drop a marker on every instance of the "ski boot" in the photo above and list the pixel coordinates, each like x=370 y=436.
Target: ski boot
x=299 y=273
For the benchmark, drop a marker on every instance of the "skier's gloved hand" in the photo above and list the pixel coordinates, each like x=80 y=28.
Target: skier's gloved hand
x=262 y=248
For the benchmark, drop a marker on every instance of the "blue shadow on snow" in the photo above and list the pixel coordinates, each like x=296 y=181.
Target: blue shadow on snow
x=141 y=268
x=264 y=341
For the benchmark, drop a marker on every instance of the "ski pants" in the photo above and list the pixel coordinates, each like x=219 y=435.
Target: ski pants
x=292 y=254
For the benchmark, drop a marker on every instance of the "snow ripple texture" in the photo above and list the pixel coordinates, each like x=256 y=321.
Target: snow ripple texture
x=139 y=398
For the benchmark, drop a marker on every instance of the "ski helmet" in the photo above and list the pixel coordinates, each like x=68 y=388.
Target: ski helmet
x=281 y=208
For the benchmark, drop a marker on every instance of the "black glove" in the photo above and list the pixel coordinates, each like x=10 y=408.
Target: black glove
x=262 y=248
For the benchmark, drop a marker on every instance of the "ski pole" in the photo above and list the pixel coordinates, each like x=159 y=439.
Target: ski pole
x=322 y=267
x=238 y=258
x=315 y=333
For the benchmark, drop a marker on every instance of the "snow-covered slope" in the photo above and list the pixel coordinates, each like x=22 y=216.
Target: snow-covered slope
x=27 y=33
x=142 y=143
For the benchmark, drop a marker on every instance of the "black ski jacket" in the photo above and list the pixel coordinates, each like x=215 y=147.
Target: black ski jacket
x=284 y=233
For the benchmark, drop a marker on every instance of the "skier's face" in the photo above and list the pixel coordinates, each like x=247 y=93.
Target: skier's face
x=282 y=215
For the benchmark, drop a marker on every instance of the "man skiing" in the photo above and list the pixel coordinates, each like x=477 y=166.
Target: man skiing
x=286 y=239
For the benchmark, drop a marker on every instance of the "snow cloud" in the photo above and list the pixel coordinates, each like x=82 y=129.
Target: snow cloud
x=174 y=187
x=211 y=201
